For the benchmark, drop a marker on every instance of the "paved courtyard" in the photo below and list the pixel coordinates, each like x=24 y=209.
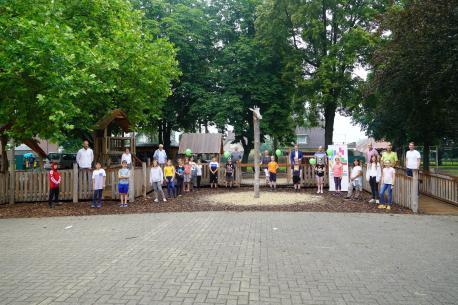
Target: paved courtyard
x=230 y=258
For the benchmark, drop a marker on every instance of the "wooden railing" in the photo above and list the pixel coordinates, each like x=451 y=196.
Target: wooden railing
x=76 y=185
x=442 y=187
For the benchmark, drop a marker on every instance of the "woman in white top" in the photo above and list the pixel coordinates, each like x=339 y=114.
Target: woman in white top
x=126 y=156
x=199 y=173
x=387 y=183
x=373 y=175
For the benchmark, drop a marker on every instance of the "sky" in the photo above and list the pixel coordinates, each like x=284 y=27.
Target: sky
x=345 y=131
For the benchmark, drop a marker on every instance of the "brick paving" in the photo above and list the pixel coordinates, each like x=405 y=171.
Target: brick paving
x=228 y=258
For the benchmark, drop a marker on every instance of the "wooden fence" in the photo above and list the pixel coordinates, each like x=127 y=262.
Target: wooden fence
x=439 y=186
x=405 y=191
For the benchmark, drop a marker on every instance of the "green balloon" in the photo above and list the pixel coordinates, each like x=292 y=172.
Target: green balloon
x=188 y=152
x=312 y=161
x=329 y=152
x=227 y=154
x=278 y=152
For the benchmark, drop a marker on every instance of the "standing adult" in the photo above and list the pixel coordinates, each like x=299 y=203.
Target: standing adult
x=320 y=168
x=371 y=152
x=236 y=157
x=389 y=155
x=85 y=156
x=126 y=156
x=413 y=158
x=320 y=156
x=295 y=153
x=161 y=156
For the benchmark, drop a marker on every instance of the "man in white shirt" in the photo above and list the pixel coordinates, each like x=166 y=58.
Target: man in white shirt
x=85 y=156
x=160 y=155
x=126 y=156
x=413 y=159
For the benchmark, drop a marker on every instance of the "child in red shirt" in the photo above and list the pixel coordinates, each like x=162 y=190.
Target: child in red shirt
x=54 y=182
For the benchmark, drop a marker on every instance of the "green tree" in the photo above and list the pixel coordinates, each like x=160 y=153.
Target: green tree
x=412 y=93
x=64 y=64
x=247 y=75
x=321 y=43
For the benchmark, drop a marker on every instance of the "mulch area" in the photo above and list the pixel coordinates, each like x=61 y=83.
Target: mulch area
x=193 y=202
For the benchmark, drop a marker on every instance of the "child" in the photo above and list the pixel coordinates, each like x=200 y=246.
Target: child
x=123 y=184
x=387 y=183
x=264 y=162
x=229 y=173
x=297 y=173
x=319 y=174
x=187 y=175
x=214 y=167
x=273 y=167
x=193 y=174
x=337 y=171
x=199 y=173
x=169 y=173
x=98 y=184
x=179 y=171
x=156 y=178
x=356 y=180
x=54 y=182
x=373 y=175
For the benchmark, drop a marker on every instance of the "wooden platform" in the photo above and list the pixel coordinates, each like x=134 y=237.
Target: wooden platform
x=432 y=206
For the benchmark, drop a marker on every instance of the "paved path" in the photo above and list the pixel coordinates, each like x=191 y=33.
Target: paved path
x=230 y=258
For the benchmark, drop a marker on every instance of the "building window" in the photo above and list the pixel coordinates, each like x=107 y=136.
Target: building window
x=302 y=139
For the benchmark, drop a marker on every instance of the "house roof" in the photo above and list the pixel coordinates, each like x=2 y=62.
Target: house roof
x=201 y=143
x=116 y=115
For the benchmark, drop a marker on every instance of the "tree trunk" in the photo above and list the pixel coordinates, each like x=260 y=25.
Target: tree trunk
x=167 y=131
x=160 y=136
x=329 y=115
x=4 y=161
x=257 y=137
x=426 y=151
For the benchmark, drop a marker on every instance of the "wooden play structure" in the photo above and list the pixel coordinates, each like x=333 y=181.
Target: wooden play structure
x=110 y=139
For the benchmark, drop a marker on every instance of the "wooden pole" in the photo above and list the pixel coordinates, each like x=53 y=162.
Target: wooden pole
x=12 y=169
x=256 y=154
x=75 y=183
x=415 y=191
x=144 y=179
x=132 y=184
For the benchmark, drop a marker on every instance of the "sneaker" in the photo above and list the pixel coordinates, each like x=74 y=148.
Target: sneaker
x=99 y=206
x=164 y=200
x=155 y=200
x=388 y=207
x=321 y=191
x=318 y=191
x=93 y=206
x=372 y=201
x=381 y=206
x=377 y=201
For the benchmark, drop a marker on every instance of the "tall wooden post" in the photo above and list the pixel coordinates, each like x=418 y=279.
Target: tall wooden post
x=257 y=139
x=132 y=184
x=75 y=183
x=12 y=169
x=144 y=187
x=415 y=195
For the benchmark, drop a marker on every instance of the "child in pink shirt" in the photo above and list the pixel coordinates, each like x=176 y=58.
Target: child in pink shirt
x=337 y=171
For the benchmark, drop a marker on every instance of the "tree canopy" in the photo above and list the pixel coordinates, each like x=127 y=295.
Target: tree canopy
x=64 y=64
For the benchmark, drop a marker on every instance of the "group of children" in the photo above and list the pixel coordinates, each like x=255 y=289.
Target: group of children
x=187 y=174
x=375 y=175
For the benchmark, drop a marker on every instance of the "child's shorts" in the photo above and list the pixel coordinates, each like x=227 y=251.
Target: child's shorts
x=296 y=179
x=187 y=178
x=229 y=177
x=214 y=178
x=357 y=184
x=123 y=188
x=272 y=177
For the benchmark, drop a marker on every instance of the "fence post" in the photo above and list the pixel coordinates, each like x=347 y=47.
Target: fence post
x=12 y=175
x=132 y=185
x=415 y=195
x=144 y=179
x=75 y=183
x=148 y=162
